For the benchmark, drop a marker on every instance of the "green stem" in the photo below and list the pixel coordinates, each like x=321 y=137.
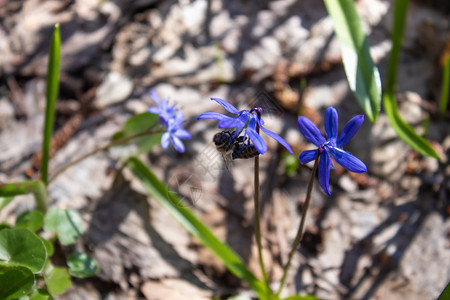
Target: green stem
x=298 y=238
x=445 y=86
x=113 y=143
x=36 y=187
x=258 y=222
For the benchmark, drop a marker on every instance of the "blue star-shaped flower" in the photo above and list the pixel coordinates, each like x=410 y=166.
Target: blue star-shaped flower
x=246 y=120
x=163 y=109
x=331 y=146
x=175 y=133
x=172 y=120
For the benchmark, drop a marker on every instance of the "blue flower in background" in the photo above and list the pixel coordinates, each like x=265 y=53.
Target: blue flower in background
x=331 y=146
x=163 y=109
x=172 y=120
x=246 y=120
x=175 y=133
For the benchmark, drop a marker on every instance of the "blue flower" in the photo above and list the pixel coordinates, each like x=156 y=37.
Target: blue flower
x=331 y=146
x=172 y=120
x=163 y=109
x=245 y=120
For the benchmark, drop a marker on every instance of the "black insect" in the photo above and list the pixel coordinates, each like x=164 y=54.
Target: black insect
x=228 y=145
x=244 y=151
x=224 y=141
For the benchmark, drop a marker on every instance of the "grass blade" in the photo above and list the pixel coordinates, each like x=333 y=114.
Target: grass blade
x=362 y=74
x=403 y=129
x=5 y=201
x=51 y=95
x=197 y=228
x=36 y=187
x=445 y=295
x=445 y=86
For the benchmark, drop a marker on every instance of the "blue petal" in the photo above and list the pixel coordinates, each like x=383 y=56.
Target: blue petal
x=257 y=140
x=324 y=172
x=349 y=130
x=226 y=105
x=278 y=138
x=182 y=134
x=331 y=123
x=179 y=118
x=310 y=131
x=163 y=121
x=165 y=140
x=307 y=156
x=154 y=110
x=237 y=122
x=178 y=144
x=155 y=97
x=347 y=160
x=213 y=115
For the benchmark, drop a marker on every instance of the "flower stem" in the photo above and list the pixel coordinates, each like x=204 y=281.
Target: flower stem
x=113 y=143
x=258 y=111
x=299 y=236
x=257 y=221
x=35 y=187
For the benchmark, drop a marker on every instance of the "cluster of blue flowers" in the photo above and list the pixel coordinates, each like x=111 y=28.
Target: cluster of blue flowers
x=172 y=120
x=248 y=123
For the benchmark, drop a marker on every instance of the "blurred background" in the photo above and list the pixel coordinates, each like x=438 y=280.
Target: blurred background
x=384 y=234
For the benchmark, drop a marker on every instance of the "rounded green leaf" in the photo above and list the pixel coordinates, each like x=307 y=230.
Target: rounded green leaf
x=58 y=280
x=81 y=265
x=15 y=282
x=48 y=246
x=40 y=294
x=31 y=220
x=67 y=224
x=21 y=247
x=137 y=124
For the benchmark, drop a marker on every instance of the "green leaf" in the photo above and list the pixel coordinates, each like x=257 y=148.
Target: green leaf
x=67 y=224
x=135 y=125
x=445 y=89
x=57 y=280
x=21 y=247
x=15 y=282
x=36 y=187
x=362 y=74
x=31 y=220
x=197 y=228
x=51 y=95
x=40 y=294
x=445 y=295
x=291 y=164
x=48 y=246
x=402 y=129
x=4 y=226
x=81 y=265
x=5 y=201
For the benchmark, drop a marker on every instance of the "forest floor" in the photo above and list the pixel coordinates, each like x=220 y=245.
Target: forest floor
x=384 y=234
